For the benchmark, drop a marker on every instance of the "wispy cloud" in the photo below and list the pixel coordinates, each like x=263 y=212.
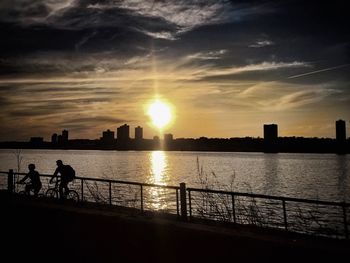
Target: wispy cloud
x=185 y=14
x=262 y=43
x=159 y=35
x=152 y=17
x=28 y=12
x=299 y=98
x=164 y=19
x=84 y=40
x=209 y=55
x=281 y=96
x=264 y=66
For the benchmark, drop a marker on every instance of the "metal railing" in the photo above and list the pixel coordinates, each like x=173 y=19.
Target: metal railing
x=109 y=191
x=291 y=214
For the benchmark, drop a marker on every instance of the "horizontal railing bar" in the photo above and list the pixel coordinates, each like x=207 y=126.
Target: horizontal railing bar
x=271 y=197
x=108 y=181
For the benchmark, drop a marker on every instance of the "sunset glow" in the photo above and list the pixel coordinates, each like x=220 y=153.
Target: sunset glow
x=208 y=68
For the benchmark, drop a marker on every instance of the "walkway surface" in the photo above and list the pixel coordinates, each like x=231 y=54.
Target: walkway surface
x=46 y=231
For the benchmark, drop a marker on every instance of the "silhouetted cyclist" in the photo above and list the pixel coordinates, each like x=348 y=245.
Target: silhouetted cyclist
x=35 y=182
x=65 y=172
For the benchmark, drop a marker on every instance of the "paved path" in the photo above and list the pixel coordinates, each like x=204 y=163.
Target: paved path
x=90 y=233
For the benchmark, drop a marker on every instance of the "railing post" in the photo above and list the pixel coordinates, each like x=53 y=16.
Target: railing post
x=183 y=201
x=110 y=193
x=82 y=189
x=284 y=214
x=190 y=204
x=233 y=208
x=10 y=181
x=177 y=203
x=345 y=222
x=141 y=198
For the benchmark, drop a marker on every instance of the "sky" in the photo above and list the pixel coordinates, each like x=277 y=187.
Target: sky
x=225 y=67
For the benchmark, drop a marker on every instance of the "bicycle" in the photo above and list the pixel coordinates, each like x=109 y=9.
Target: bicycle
x=54 y=192
x=28 y=193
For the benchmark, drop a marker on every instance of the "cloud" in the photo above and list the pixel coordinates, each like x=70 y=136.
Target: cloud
x=87 y=120
x=160 y=35
x=282 y=96
x=185 y=14
x=29 y=11
x=164 y=19
x=209 y=55
x=158 y=19
x=263 y=66
x=262 y=43
x=300 y=98
x=84 y=40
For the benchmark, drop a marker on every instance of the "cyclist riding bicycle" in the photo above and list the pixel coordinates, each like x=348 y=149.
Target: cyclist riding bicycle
x=35 y=182
x=64 y=171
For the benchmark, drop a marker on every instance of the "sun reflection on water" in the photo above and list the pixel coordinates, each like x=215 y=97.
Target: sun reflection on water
x=157 y=175
x=158 y=166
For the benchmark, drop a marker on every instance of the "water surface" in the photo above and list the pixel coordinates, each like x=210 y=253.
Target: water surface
x=315 y=176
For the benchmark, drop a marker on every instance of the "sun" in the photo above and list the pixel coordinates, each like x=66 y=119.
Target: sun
x=160 y=113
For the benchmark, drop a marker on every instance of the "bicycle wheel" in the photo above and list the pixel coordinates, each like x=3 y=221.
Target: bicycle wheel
x=73 y=195
x=51 y=193
x=22 y=192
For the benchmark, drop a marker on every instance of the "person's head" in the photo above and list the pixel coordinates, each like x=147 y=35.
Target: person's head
x=31 y=167
x=59 y=162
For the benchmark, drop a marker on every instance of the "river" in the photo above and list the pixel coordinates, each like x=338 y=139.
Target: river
x=312 y=176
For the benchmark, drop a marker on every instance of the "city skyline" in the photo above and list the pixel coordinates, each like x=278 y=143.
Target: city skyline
x=270 y=133
x=223 y=68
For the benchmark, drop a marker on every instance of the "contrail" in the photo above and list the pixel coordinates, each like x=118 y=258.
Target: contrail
x=317 y=71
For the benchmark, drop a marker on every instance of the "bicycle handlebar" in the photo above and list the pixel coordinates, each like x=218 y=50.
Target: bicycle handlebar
x=54 y=180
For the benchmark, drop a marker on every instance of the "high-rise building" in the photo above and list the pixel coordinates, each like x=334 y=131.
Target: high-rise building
x=340 y=128
x=59 y=139
x=168 y=137
x=168 y=141
x=156 y=142
x=108 y=137
x=270 y=132
x=54 y=138
x=270 y=138
x=123 y=133
x=64 y=136
x=138 y=133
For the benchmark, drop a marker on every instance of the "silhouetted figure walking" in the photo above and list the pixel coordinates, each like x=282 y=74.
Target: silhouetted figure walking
x=67 y=174
x=35 y=182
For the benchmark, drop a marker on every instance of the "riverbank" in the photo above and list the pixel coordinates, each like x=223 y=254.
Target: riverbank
x=93 y=233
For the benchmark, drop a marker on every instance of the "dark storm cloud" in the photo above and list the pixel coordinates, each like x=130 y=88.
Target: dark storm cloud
x=70 y=27
x=76 y=21
x=124 y=28
x=68 y=36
